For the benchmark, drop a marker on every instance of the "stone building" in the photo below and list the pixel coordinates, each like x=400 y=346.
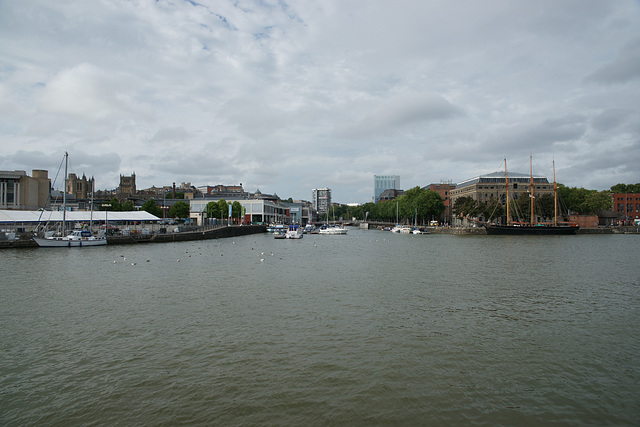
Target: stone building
x=492 y=186
x=80 y=188
x=23 y=192
x=127 y=186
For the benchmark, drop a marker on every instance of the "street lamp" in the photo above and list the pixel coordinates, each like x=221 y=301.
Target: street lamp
x=106 y=222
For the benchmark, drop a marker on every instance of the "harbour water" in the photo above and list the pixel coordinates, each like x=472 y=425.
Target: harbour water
x=370 y=328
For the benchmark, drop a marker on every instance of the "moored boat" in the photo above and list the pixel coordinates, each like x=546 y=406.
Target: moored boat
x=77 y=238
x=531 y=228
x=294 y=232
x=332 y=229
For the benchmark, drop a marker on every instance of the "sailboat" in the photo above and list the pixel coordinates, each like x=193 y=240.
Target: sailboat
x=532 y=228
x=77 y=238
x=332 y=229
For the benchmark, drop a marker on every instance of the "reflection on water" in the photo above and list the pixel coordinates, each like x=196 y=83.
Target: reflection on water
x=367 y=328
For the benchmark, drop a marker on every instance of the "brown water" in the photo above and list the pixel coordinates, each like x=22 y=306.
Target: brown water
x=371 y=328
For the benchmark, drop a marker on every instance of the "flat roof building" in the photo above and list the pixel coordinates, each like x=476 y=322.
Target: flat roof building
x=21 y=191
x=628 y=205
x=321 y=199
x=492 y=186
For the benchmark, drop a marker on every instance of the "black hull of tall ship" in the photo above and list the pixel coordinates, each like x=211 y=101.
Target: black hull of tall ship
x=531 y=230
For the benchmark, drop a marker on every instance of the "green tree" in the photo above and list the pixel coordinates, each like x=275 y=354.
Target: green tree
x=491 y=210
x=115 y=205
x=585 y=201
x=223 y=208
x=464 y=206
x=127 y=206
x=545 y=206
x=151 y=207
x=626 y=188
x=388 y=210
x=236 y=210
x=431 y=204
x=213 y=210
x=368 y=207
x=595 y=201
x=179 y=210
x=520 y=208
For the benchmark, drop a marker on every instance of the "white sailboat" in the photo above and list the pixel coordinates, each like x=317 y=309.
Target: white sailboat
x=77 y=238
x=332 y=229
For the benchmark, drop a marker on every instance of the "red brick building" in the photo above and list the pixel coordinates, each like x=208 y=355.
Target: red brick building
x=443 y=190
x=627 y=204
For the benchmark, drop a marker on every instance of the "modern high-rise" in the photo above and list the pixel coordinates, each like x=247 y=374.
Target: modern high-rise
x=321 y=199
x=384 y=182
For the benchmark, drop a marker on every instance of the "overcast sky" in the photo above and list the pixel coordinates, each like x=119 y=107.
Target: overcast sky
x=287 y=96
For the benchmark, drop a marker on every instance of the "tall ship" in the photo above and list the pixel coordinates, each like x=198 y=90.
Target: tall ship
x=532 y=227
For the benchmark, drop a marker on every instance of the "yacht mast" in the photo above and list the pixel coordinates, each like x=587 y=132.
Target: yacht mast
x=555 y=195
x=531 y=185
x=64 y=194
x=506 y=183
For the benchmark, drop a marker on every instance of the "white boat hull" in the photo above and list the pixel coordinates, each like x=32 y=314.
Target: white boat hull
x=333 y=231
x=63 y=242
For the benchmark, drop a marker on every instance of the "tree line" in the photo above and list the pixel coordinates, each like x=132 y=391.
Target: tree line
x=570 y=199
x=417 y=204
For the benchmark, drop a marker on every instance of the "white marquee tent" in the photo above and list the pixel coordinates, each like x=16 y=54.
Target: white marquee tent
x=33 y=217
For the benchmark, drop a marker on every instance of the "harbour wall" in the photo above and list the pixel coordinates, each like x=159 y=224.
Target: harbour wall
x=203 y=234
x=218 y=232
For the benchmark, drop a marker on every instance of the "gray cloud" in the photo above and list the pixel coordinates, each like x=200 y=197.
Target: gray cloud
x=287 y=97
x=624 y=68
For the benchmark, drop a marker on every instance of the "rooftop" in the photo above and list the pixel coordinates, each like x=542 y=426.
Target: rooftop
x=498 y=177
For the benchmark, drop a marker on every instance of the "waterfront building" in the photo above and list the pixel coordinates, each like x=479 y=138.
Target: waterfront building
x=444 y=189
x=628 y=205
x=492 y=186
x=256 y=211
x=20 y=191
x=384 y=182
x=295 y=212
x=321 y=199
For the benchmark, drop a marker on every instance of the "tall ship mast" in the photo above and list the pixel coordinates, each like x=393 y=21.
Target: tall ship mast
x=531 y=228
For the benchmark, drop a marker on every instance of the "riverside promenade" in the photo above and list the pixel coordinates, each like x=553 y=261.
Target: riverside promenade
x=201 y=233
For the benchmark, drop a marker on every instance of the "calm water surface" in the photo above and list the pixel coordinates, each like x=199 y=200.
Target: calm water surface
x=370 y=328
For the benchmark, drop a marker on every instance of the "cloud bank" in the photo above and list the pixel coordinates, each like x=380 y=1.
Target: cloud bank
x=287 y=97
